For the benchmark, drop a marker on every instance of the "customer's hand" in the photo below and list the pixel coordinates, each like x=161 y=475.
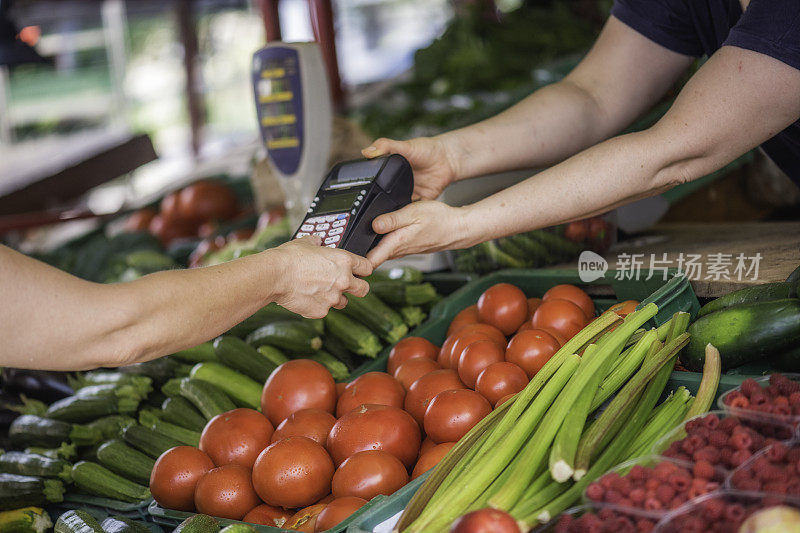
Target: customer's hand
x=434 y=168
x=313 y=278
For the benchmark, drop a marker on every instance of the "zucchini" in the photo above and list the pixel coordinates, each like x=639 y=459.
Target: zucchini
x=66 y=451
x=744 y=333
x=761 y=293
x=197 y=354
x=198 y=523
x=120 y=524
x=291 y=335
x=125 y=461
x=29 y=406
x=172 y=388
x=337 y=368
x=238 y=528
x=30 y=464
x=25 y=520
x=354 y=336
x=404 y=274
x=413 y=315
x=268 y=313
x=242 y=357
x=334 y=346
x=180 y=412
x=83 y=409
x=110 y=426
x=159 y=370
x=150 y=419
x=148 y=441
x=30 y=430
x=78 y=521
x=100 y=481
x=104 y=377
x=272 y=354
x=242 y=390
x=139 y=391
x=377 y=316
x=25 y=491
x=209 y=399
x=402 y=294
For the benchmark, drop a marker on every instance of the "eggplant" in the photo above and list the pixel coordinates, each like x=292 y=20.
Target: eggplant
x=39 y=384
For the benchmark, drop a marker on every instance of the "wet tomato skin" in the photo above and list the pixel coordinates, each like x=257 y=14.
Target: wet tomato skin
x=267 y=515
x=563 y=316
x=425 y=388
x=226 y=492
x=500 y=379
x=236 y=437
x=503 y=306
x=431 y=458
x=468 y=315
x=305 y=519
x=475 y=357
x=413 y=369
x=531 y=349
x=338 y=511
x=369 y=473
x=451 y=414
x=312 y=423
x=175 y=476
x=485 y=521
x=410 y=348
x=295 y=385
x=575 y=295
x=377 y=388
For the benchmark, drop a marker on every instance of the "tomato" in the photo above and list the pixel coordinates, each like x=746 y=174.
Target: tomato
x=296 y=385
x=340 y=386
x=267 y=515
x=207 y=200
x=466 y=316
x=601 y=234
x=413 y=369
x=425 y=388
x=312 y=423
x=577 y=230
x=562 y=316
x=525 y=326
x=207 y=229
x=169 y=230
x=241 y=234
x=293 y=472
x=533 y=305
x=625 y=308
x=430 y=459
x=139 y=220
x=531 y=349
x=377 y=388
x=175 y=476
x=475 y=357
x=426 y=445
x=485 y=521
x=504 y=399
x=500 y=379
x=446 y=351
x=503 y=306
x=574 y=295
x=236 y=437
x=375 y=427
x=226 y=492
x=369 y=473
x=454 y=412
x=338 y=511
x=467 y=336
x=306 y=519
x=410 y=348
x=169 y=210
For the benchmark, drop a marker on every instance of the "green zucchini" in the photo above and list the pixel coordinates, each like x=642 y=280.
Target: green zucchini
x=268 y=313
x=25 y=520
x=149 y=418
x=100 y=481
x=29 y=406
x=338 y=369
x=413 y=315
x=179 y=411
x=377 y=316
x=209 y=399
x=159 y=370
x=744 y=333
x=172 y=388
x=404 y=274
x=238 y=528
x=77 y=521
x=104 y=377
x=30 y=430
x=25 y=491
x=83 y=409
x=242 y=357
x=402 y=294
x=125 y=460
x=242 y=390
x=198 y=523
x=110 y=426
x=291 y=335
x=120 y=524
x=148 y=441
x=761 y=293
x=336 y=348
x=66 y=451
x=197 y=354
x=30 y=464
x=138 y=391
x=354 y=336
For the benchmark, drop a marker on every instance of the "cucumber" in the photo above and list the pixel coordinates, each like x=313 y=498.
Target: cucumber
x=125 y=461
x=291 y=335
x=30 y=430
x=100 y=481
x=25 y=520
x=179 y=411
x=29 y=464
x=354 y=336
x=744 y=333
x=77 y=521
x=377 y=316
x=197 y=354
x=272 y=354
x=761 y=293
x=242 y=357
x=209 y=399
x=148 y=441
x=83 y=409
x=149 y=418
x=110 y=426
x=402 y=294
x=242 y=390
x=25 y=491
x=238 y=528
x=120 y=524
x=199 y=523
x=337 y=368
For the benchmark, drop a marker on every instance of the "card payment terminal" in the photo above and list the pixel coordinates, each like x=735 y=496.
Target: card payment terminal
x=351 y=196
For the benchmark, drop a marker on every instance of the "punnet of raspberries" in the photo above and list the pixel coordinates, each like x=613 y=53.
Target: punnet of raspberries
x=725 y=442
x=717 y=514
x=605 y=520
x=781 y=398
x=657 y=488
x=775 y=470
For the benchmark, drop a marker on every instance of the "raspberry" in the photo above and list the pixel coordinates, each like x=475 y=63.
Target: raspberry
x=740 y=440
x=749 y=386
x=781 y=400
x=725 y=456
x=643 y=525
x=759 y=399
x=638 y=473
x=564 y=523
x=713 y=509
x=707 y=453
x=703 y=432
x=623 y=524
x=703 y=469
x=595 y=492
x=794 y=398
x=776 y=487
x=637 y=496
x=711 y=421
x=748 y=484
x=692 y=443
x=612 y=496
x=609 y=479
x=622 y=485
x=652 y=504
x=711 y=486
x=739 y=457
x=793 y=455
x=693 y=424
x=680 y=481
x=664 y=494
x=652 y=484
x=606 y=514
x=739 y=403
x=727 y=424
x=717 y=438
x=663 y=470
x=732 y=395
x=734 y=512
x=677 y=501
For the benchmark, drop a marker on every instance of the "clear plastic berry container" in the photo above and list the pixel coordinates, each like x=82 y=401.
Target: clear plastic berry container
x=654 y=484
x=600 y=518
x=773 y=470
x=723 y=511
x=786 y=410
x=718 y=444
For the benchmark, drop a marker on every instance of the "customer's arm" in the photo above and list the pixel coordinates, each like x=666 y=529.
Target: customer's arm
x=52 y=320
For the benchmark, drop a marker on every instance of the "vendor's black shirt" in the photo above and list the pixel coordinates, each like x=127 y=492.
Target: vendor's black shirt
x=697 y=27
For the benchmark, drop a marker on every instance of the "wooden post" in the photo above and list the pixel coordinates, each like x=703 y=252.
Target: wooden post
x=188 y=36
x=272 y=19
x=321 y=13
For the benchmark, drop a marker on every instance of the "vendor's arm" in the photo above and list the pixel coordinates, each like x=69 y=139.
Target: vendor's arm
x=735 y=102
x=52 y=320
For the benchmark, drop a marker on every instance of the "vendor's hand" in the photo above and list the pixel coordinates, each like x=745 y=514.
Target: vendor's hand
x=434 y=169
x=424 y=226
x=314 y=278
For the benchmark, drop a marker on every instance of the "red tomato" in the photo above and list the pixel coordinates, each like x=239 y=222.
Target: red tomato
x=466 y=338
x=296 y=385
x=574 y=295
x=377 y=388
x=601 y=234
x=577 y=231
x=533 y=305
x=169 y=210
x=446 y=351
x=267 y=515
x=465 y=317
x=139 y=220
x=312 y=423
x=413 y=369
x=625 y=308
x=410 y=348
x=169 y=230
x=451 y=414
x=207 y=229
x=431 y=458
x=207 y=200
x=562 y=316
x=340 y=386
x=475 y=357
x=503 y=306
x=240 y=234
x=226 y=492
x=375 y=427
x=369 y=473
x=525 y=326
x=488 y=331
x=425 y=388
x=236 y=437
x=553 y=333
x=427 y=444
x=175 y=476
x=531 y=349
x=485 y=521
x=504 y=399
x=293 y=472
x=306 y=519
x=338 y=511
x=500 y=379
